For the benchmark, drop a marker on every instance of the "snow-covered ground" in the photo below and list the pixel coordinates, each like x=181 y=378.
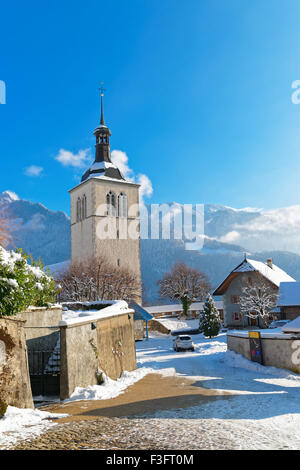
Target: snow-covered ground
x=264 y=409
x=112 y=388
x=24 y=424
x=262 y=412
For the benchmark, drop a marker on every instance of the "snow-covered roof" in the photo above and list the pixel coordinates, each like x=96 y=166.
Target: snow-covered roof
x=273 y=274
x=289 y=294
x=292 y=326
x=268 y=270
x=178 y=307
x=101 y=166
x=139 y=312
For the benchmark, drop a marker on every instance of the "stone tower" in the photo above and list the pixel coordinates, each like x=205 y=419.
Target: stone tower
x=105 y=219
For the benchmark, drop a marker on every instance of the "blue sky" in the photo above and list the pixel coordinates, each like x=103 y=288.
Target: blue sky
x=198 y=96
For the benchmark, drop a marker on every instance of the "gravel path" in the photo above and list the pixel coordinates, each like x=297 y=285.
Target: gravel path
x=130 y=434
x=158 y=433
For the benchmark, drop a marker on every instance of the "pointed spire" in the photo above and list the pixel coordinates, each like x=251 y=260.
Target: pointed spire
x=102 y=115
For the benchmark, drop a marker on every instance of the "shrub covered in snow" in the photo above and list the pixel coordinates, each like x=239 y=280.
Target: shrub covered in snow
x=209 y=321
x=23 y=283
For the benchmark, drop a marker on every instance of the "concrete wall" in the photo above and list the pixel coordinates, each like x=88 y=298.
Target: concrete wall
x=15 y=387
x=41 y=327
x=78 y=359
x=139 y=330
x=277 y=352
x=116 y=345
x=110 y=347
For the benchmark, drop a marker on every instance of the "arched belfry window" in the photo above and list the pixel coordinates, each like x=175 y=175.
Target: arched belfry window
x=111 y=204
x=78 y=210
x=83 y=207
x=122 y=205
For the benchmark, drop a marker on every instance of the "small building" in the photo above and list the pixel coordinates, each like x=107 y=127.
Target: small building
x=247 y=272
x=289 y=300
x=176 y=309
x=67 y=348
x=141 y=319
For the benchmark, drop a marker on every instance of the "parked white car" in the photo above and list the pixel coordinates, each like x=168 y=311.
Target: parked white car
x=183 y=343
x=278 y=323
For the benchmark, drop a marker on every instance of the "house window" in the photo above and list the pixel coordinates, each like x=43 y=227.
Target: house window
x=235 y=299
x=111 y=204
x=236 y=316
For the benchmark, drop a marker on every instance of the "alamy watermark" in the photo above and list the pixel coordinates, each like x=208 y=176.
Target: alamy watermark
x=156 y=221
x=2 y=92
x=296 y=354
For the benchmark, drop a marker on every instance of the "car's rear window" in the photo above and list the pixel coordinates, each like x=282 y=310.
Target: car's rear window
x=185 y=338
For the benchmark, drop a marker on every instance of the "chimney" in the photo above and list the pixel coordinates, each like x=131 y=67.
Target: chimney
x=270 y=263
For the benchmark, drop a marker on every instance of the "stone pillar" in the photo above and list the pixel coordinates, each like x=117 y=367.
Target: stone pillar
x=15 y=389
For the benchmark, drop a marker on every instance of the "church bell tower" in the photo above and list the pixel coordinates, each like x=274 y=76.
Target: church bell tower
x=105 y=211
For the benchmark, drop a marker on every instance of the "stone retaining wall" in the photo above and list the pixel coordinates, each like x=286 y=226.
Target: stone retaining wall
x=15 y=387
x=155 y=325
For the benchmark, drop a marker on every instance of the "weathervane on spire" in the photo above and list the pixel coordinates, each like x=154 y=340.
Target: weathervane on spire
x=102 y=94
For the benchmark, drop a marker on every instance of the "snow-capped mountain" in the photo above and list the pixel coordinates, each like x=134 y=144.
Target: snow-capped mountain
x=228 y=234
x=43 y=233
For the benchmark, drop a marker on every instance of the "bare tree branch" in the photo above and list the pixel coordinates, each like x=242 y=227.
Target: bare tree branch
x=185 y=284
x=97 y=279
x=258 y=300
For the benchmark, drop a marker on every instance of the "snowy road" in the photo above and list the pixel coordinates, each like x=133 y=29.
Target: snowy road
x=264 y=411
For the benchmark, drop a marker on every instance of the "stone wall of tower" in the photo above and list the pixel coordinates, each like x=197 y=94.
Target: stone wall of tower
x=82 y=232
x=87 y=236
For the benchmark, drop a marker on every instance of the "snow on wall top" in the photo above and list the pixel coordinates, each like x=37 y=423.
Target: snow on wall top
x=278 y=333
x=118 y=307
x=289 y=294
x=274 y=274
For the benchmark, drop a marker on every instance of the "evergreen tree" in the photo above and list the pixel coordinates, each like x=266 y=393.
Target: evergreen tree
x=209 y=322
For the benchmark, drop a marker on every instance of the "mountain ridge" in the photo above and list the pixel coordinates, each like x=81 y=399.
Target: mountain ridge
x=46 y=235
